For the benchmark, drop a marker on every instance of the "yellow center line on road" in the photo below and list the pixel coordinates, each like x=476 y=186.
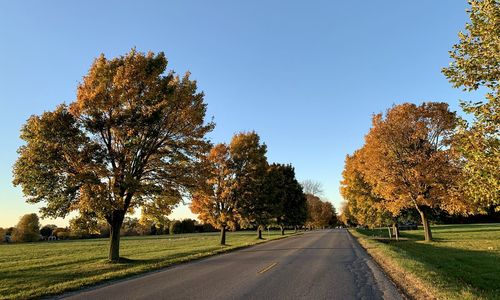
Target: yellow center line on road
x=267 y=268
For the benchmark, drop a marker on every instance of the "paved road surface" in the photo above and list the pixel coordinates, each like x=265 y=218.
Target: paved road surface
x=327 y=264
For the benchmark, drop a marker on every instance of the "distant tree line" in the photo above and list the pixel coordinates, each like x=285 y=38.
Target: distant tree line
x=29 y=229
x=313 y=213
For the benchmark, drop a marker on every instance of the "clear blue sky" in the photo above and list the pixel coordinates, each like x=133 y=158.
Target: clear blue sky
x=306 y=75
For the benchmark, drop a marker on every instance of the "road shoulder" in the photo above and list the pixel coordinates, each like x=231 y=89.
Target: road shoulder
x=384 y=282
x=407 y=283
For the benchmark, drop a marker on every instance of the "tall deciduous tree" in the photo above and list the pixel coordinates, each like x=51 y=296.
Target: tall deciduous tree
x=27 y=229
x=249 y=161
x=285 y=193
x=134 y=136
x=216 y=204
x=476 y=63
x=409 y=161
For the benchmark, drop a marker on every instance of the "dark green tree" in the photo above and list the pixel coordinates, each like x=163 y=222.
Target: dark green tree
x=286 y=196
x=175 y=227
x=46 y=230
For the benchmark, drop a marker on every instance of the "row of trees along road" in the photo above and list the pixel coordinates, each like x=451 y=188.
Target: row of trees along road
x=424 y=157
x=243 y=189
x=136 y=137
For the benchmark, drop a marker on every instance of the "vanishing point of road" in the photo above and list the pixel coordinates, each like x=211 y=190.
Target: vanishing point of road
x=327 y=264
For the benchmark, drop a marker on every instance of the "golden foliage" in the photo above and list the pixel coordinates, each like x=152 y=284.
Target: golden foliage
x=134 y=137
x=216 y=203
x=363 y=206
x=409 y=161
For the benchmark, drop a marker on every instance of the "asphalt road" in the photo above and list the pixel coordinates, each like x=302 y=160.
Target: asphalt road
x=327 y=264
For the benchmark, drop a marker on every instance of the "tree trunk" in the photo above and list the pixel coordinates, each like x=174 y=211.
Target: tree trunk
x=395 y=230
x=295 y=227
x=115 y=224
x=425 y=223
x=390 y=234
x=282 y=230
x=259 y=233
x=223 y=235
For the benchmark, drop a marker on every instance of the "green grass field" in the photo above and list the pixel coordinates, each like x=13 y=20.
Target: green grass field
x=462 y=263
x=46 y=268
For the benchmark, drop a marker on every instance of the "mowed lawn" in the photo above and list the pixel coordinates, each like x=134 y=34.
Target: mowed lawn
x=462 y=263
x=46 y=268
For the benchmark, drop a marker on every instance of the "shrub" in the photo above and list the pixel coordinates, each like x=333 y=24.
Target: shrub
x=2 y=235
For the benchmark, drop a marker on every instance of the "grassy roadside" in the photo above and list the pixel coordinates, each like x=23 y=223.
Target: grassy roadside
x=462 y=263
x=34 y=270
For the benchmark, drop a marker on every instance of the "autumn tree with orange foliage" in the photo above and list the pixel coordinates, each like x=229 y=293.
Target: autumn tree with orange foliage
x=134 y=136
x=216 y=202
x=363 y=206
x=409 y=161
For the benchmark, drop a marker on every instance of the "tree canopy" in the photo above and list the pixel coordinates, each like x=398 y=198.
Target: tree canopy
x=216 y=203
x=319 y=213
x=363 y=205
x=286 y=196
x=408 y=162
x=249 y=161
x=476 y=64
x=134 y=136
x=27 y=229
